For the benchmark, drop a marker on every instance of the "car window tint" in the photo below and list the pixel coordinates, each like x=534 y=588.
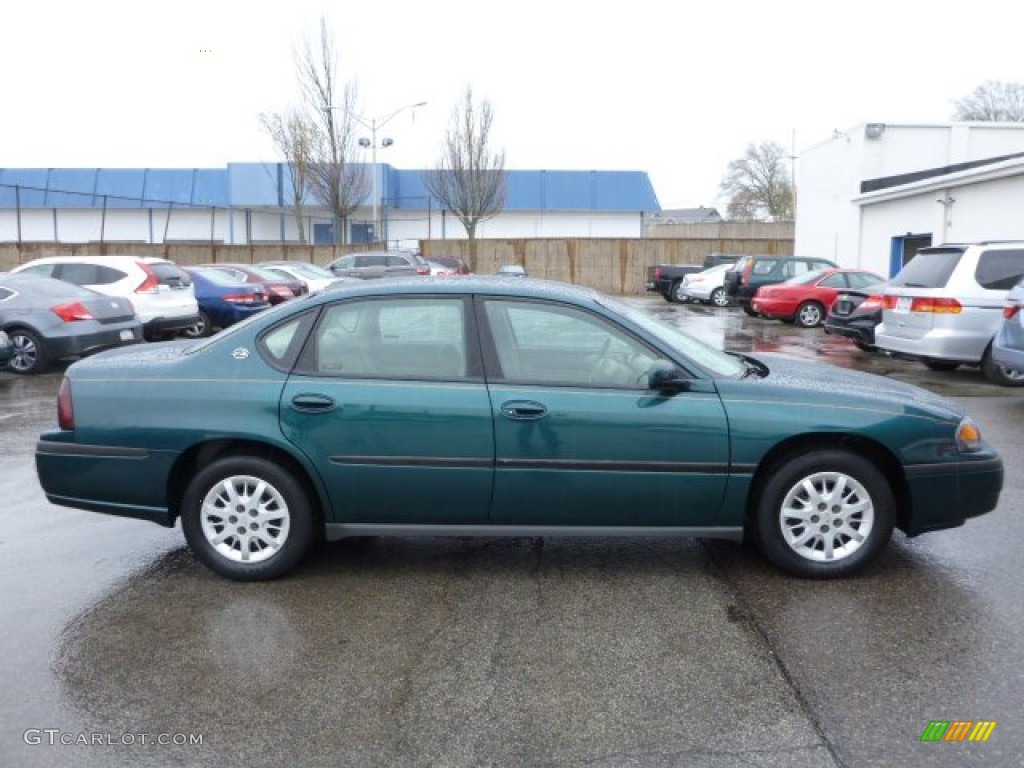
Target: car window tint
x=5 y=293
x=279 y=343
x=402 y=338
x=550 y=344
x=397 y=261
x=928 y=269
x=79 y=273
x=762 y=267
x=835 y=280
x=168 y=273
x=43 y=270
x=863 y=279
x=999 y=270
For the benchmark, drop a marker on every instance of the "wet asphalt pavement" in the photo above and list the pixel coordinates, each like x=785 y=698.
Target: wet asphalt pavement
x=526 y=652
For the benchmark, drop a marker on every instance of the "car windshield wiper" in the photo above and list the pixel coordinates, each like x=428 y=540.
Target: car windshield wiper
x=754 y=366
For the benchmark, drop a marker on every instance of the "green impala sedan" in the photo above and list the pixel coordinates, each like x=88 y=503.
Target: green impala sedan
x=479 y=406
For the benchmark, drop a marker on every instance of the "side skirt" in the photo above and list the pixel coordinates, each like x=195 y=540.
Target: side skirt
x=337 y=531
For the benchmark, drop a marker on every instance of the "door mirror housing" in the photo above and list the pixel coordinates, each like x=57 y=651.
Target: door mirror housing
x=665 y=376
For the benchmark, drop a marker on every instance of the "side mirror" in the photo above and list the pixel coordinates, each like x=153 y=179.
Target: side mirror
x=666 y=377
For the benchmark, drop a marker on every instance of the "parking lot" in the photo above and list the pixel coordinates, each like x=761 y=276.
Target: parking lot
x=459 y=652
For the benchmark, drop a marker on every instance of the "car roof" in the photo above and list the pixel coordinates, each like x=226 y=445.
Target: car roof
x=494 y=285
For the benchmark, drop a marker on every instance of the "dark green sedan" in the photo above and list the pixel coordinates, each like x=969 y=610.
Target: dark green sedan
x=479 y=406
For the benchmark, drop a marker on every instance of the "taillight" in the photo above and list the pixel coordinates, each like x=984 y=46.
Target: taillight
x=936 y=306
x=657 y=273
x=243 y=298
x=1011 y=310
x=65 y=410
x=151 y=284
x=874 y=301
x=71 y=312
x=423 y=271
x=747 y=269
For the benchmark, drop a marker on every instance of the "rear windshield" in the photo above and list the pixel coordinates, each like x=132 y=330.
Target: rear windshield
x=169 y=274
x=929 y=269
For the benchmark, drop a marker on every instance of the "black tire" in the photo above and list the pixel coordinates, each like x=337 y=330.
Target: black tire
x=997 y=374
x=781 y=526
x=667 y=297
x=941 y=365
x=30 y=356
x=677 y=296
x=719 y=297
x=200 y=329
x=750 y=310
x=810 y=314
x=204 y=517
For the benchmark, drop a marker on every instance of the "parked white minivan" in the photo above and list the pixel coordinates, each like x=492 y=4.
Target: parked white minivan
x=946 y=306
x=160 y=291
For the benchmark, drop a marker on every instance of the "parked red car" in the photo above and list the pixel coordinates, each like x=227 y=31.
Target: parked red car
x=803 y=299
x=277 y=288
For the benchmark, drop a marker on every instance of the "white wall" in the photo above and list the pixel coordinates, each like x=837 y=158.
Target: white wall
x=829 y=175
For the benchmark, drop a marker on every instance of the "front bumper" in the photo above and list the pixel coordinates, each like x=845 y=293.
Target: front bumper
x=944 y=495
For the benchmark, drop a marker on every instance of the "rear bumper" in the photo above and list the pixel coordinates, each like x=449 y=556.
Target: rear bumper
x=858 y=330
x=161 y=325
x=81 y=344
x=935 y=344
x=772 y=308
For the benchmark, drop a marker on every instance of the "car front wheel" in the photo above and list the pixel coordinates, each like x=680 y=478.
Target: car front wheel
x=247 y=518
x=824 y=514
x=719 y=297
x=678 y=293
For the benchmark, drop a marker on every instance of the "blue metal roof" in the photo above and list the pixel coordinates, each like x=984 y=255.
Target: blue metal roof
x=267 y=185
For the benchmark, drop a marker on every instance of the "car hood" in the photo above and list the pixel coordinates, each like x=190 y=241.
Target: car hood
x=830 y=384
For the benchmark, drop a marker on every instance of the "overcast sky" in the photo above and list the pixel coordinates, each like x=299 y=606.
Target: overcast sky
x=674 y=88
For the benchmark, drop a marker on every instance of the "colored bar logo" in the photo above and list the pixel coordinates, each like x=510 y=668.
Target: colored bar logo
x=958 y=730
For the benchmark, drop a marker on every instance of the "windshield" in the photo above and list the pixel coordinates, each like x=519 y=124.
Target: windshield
x=714 y=361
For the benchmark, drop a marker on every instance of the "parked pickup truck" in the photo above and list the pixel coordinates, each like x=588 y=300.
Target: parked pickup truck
x=666 y=279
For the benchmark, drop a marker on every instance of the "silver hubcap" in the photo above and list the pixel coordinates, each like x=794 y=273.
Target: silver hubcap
x=245 y=519
x=25 y=353
x=719 y=299
x=826 y=516
x=810 y=315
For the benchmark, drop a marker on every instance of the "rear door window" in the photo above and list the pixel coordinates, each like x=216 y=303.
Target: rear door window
x=999 y=270
x=928 y=269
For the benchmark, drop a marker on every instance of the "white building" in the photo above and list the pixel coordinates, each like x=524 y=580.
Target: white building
x=870 y=197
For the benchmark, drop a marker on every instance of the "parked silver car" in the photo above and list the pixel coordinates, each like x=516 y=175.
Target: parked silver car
x=372 y=265
x=1008 y=347
x=945 y=306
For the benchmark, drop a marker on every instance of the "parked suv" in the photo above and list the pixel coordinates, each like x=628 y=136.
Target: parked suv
x=377 y=264
x=160 y=291
x=946 y=306
x=751 y=272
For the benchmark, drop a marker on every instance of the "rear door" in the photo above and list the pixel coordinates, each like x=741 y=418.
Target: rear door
x=388 y=402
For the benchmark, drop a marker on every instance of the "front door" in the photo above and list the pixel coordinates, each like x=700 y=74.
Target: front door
x=579 y=438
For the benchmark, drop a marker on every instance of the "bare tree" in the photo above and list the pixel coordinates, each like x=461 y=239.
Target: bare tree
x=758 y=184
x=339 y=183
x=469 y=179
x=993 y=100
x=295 y=137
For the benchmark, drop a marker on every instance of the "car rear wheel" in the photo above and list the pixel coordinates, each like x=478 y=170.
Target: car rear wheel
x=719 y=297
x=247 y=518
x=678 y=295
x=29 y=353
x=824 y=514
x=998 y=374
x=810 y=314
x=200 y=329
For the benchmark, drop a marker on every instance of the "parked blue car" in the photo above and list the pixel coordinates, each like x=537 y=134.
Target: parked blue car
x=223 y=300
x=1008 y=345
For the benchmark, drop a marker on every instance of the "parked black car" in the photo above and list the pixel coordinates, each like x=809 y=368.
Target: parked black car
x=49 y=319
x=854 y=314
x=751 y=272
x=666 y=279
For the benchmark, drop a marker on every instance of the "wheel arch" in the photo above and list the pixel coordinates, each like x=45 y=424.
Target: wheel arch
x=201 y=454
x=862 y=446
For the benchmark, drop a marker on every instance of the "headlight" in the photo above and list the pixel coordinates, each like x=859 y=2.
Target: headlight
x=968 y=436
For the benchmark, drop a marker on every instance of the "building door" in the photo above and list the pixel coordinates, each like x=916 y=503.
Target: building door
x=905 y=248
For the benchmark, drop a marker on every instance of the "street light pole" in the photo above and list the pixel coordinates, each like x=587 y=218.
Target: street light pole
x=373 y=124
